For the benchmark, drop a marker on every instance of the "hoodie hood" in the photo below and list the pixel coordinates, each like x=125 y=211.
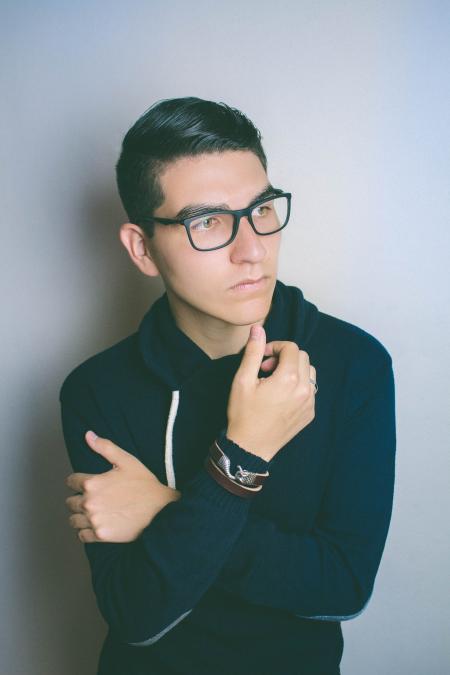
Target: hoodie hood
x=173 y=358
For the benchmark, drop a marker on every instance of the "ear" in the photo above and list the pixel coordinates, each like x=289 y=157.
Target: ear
x=136 y=242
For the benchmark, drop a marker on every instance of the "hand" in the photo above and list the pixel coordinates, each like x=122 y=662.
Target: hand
x=117 y=505
x=265 y=413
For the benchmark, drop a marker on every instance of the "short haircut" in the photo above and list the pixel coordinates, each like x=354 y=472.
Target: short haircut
x=171 y=129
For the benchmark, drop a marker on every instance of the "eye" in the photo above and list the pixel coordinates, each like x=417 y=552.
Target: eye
x=205 y=223
x=262 y=210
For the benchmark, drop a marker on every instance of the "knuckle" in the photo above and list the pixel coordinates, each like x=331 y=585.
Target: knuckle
x=95 y=520
x=77 y=505
x=304 y=390
x=240 y=380
x=88 y=506
x=290 y=377
x=99 y=533
x=90 y=484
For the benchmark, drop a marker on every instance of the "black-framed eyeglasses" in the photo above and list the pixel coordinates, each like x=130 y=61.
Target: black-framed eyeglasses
x=210 y=230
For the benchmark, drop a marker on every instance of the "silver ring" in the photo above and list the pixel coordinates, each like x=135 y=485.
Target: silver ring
x=316 y=388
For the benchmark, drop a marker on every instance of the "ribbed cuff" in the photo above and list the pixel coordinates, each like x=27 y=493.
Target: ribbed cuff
x=204 y=486
x=247 y=460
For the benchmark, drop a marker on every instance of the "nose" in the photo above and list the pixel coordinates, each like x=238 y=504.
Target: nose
x=247 y=244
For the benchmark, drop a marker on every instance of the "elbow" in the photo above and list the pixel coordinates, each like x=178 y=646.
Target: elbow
x=133 y=618
x=350 y=613
x=137 y=636
x=149 y=640
x=345 y=613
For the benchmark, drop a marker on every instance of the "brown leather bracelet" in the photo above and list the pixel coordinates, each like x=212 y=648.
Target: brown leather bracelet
x=242 y=477
x=226 y=482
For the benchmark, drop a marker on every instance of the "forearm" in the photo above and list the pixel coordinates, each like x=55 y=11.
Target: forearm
x=329 y=571
x=311 y=575
x=143 y=587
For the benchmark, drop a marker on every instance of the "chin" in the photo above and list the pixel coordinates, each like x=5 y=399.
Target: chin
x=250 y=311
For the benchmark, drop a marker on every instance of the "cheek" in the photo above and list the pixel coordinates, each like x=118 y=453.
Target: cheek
x=191 y=275
x=276 y=241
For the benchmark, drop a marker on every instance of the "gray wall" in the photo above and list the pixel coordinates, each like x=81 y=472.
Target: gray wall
x=351 y=100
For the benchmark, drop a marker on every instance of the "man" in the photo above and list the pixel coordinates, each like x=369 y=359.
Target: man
x=232 y=514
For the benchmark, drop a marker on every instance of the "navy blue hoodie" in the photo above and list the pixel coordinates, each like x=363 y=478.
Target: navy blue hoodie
x=218 y=584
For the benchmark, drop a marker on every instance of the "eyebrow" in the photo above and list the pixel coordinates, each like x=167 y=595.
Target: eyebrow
x=197 y=209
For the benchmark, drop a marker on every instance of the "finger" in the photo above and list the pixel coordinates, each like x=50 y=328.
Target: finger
x=109 y=450
x=289 y=358
x=253 y=355
x=275 y=348
x=79 y=521
x=269 y=364
x=313 y=376
x=75 y=503
x=268 y=349
x=87 y=536
x=304 y=368
x=76 y=481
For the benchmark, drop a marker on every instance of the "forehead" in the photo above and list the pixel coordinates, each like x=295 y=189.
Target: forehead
x=232 y=176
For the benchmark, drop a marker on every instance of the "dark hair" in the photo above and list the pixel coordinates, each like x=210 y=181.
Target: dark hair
x=170 y=129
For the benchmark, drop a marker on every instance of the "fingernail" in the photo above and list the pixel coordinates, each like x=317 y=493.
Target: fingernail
x=255 y=332
x=91 y=436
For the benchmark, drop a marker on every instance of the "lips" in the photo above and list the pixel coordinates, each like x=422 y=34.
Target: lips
x=247 y=281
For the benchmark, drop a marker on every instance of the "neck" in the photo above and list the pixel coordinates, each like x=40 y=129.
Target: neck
x=214 y=336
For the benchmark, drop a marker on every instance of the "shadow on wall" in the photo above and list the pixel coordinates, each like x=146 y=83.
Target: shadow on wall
x=69 y=628
x=124 y=293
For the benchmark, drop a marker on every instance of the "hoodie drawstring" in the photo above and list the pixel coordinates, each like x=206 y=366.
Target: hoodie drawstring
x=168 y=451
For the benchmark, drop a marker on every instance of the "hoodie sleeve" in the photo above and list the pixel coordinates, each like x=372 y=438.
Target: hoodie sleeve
x=145 y=587
x=329 y=572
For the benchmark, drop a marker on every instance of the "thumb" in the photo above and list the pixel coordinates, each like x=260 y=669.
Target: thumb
x=109 y=450
x=254 y=351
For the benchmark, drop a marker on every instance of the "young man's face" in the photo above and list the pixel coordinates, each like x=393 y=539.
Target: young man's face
x=199 y=283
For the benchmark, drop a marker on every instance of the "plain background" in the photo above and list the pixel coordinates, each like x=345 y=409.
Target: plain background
x=352 y=101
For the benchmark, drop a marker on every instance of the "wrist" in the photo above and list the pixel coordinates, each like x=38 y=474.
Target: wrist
x=234 y=446
x=246 y=486
x=250 y=448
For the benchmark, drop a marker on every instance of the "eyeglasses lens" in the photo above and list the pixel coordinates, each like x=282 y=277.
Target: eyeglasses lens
x=215 y=229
